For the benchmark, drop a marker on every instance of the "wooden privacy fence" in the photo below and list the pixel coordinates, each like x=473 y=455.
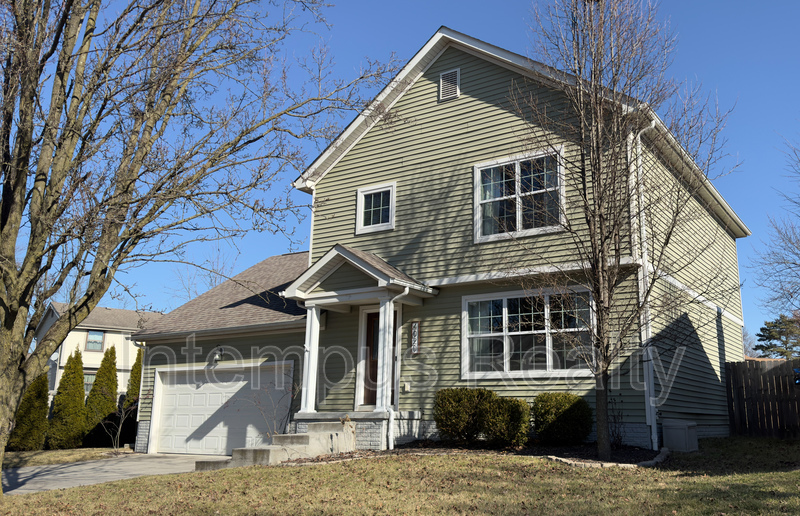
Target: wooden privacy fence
x=763 y=399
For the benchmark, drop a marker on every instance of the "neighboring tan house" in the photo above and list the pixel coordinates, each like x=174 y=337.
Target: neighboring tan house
x=102 y=328
x=409 y=287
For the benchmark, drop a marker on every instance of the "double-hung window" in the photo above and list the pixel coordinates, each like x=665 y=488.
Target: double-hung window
x=375 y=208
x=94 y=341
x=88 y=380
x=521 y=333
x=517 y=197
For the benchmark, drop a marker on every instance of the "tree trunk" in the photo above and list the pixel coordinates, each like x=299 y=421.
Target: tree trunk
x=11 y=390
x=601 y=411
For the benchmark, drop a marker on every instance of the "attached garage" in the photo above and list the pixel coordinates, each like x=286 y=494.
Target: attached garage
x=212 y=410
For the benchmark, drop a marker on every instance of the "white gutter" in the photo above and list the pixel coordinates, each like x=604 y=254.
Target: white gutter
x=390 y=430
x=646 y=332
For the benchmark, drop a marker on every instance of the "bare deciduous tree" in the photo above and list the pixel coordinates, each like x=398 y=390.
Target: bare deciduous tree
x=636 y=149
x=130 y=129
x=777 y=263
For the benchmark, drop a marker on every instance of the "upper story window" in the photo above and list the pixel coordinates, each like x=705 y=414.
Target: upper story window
x=88 y=380
x=94 y=340
x=375 y=208
x=518 y=197
x=450 y=84
x=521 y=334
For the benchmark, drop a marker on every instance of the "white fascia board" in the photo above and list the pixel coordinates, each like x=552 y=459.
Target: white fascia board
x=708 y=191
x=331 y=259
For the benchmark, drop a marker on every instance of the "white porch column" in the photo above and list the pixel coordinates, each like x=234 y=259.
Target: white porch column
x=385 y=336
x=310 y=355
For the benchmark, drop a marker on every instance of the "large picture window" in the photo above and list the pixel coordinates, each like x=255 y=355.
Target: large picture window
x=517 y=197
x=523 y=333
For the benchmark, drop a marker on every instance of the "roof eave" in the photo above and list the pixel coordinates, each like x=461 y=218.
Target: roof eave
x=299 y=323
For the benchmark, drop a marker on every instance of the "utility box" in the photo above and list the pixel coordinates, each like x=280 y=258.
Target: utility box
x=679 y=435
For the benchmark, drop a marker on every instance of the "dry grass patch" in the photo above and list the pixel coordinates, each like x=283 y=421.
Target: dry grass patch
x=704 y=483
x=45 y=457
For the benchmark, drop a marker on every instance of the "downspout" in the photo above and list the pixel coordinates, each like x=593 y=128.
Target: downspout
x=644 y=286
x=390 y=408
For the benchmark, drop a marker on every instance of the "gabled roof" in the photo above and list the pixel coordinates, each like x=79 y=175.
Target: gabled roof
x=102 y=318
x=247 y=302
x=384 y=274
x=435 y=46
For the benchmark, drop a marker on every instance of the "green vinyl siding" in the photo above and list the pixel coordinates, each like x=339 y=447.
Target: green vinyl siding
x=695 y=389
x=438 y=364
x=346 y=277
x=271 y=347
x=701 y=256
x=338 y=355
x=430 y=149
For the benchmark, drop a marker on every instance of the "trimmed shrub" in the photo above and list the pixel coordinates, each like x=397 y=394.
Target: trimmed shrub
x=561 y=418
x=30 y=428
x=458 y=412
x=68 y=424
x=506 y=421
x=132 y=394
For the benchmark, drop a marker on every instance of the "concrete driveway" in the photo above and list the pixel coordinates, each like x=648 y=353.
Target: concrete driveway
x=58 y=476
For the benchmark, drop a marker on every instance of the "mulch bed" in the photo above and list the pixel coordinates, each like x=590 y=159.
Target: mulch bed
x=583 y=453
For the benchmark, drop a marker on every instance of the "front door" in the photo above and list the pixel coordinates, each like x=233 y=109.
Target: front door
x=371 y=357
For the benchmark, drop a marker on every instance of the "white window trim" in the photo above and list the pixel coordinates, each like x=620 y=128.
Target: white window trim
x=477 y=223
x=466 y=374
x=360 y=227
x=458 y=85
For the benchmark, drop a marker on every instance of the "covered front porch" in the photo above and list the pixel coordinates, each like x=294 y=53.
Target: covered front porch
x=349 y=281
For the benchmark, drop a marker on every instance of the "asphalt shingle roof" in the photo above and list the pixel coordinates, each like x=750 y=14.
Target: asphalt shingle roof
x=113 y=318
x=248 y=299
x=381 y=265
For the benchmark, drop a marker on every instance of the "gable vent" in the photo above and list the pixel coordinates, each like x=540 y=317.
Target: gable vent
x=449 y=87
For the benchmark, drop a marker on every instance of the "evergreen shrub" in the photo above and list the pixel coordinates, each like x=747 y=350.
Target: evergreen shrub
x=102 y=402
x=68 y=423
x=506 y=421
x=459 y=411
x=30 y=428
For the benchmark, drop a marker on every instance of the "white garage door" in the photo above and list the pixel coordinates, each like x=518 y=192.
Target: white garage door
x=213 y=411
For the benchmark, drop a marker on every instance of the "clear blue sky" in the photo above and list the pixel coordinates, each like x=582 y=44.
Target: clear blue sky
x=745 y=53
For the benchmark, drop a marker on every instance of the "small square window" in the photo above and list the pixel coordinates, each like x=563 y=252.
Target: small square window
x=94 y=341
x=375 y=207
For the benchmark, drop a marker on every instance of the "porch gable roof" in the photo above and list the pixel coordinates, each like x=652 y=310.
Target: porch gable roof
x=372 y=266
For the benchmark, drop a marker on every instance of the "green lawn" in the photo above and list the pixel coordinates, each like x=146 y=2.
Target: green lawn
x=728 y=476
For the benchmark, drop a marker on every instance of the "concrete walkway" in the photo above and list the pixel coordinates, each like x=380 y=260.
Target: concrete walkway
x=58 y=476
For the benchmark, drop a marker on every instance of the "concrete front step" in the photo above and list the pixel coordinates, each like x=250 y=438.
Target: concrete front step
x=325 y=427
x=321 y=439
x=291 y=439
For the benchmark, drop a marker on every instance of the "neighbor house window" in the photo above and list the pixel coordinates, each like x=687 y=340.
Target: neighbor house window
x=516 y=197
x=375 y=208
x=94 y=341
x=88 y=381
x=524 y=333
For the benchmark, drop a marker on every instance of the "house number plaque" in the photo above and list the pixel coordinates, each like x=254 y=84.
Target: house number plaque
x=415 y=337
